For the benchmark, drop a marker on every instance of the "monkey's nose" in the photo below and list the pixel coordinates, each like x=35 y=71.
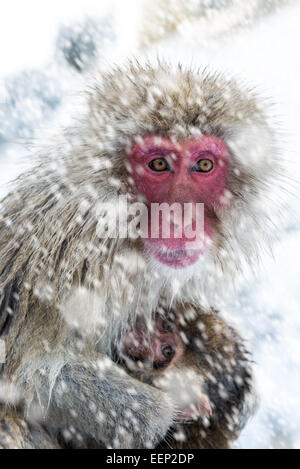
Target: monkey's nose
x=184 y=215
x=182 y=225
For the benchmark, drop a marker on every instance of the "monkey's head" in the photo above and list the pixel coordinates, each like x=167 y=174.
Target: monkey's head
x=200 y=145
x=187 y=162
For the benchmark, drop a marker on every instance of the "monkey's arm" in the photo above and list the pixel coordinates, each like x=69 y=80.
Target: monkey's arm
x=104 y=404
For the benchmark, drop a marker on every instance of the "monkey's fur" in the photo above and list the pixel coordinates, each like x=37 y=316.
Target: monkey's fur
x=17 y=433
x=66 y=294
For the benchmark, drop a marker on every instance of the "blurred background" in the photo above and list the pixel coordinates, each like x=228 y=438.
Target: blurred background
x=47 y=51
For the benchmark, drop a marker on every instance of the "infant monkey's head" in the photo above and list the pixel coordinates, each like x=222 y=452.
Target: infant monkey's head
x=159 y=356
x=155 y=347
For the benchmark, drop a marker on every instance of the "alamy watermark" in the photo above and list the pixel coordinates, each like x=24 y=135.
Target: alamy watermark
x=124 y=219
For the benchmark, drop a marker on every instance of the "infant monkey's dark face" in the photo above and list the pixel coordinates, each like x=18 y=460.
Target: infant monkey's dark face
x=159 y=346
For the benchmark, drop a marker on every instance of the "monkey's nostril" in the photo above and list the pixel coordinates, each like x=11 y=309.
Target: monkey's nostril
x=167 y=351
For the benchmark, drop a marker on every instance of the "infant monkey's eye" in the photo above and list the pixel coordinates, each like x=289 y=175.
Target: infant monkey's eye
x=168 y=351
x=159 y=164
x=167 y=326
x=204 y=165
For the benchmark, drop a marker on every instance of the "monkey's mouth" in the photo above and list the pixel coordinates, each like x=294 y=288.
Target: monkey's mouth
x=177 y=258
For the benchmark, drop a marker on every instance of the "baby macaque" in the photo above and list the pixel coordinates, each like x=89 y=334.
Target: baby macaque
x=203 y=365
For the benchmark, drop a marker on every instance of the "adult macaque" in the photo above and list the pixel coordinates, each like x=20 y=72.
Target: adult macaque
x=158 y=135
x=203 y=365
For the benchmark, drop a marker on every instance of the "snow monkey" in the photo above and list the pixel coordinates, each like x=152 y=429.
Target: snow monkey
x=203 y=365
x=80 y=264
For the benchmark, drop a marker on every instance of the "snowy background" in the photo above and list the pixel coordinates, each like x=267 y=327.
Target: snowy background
x=48 y=48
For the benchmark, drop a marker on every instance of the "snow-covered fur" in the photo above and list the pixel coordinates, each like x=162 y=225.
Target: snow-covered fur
x=58 y=275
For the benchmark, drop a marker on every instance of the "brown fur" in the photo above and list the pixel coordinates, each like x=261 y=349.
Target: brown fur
x=224 y=348
x=17 y=433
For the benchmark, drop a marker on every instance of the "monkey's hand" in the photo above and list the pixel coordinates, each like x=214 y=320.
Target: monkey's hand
x=184 y=386
x=200 y=408
x=101 y=402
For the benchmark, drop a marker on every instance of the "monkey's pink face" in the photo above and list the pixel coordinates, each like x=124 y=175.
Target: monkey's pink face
x=187 y=173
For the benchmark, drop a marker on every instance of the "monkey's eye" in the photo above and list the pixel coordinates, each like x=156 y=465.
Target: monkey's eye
x=159 y=164
x=167 y=326
x=167 y=351
x=203 y=166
